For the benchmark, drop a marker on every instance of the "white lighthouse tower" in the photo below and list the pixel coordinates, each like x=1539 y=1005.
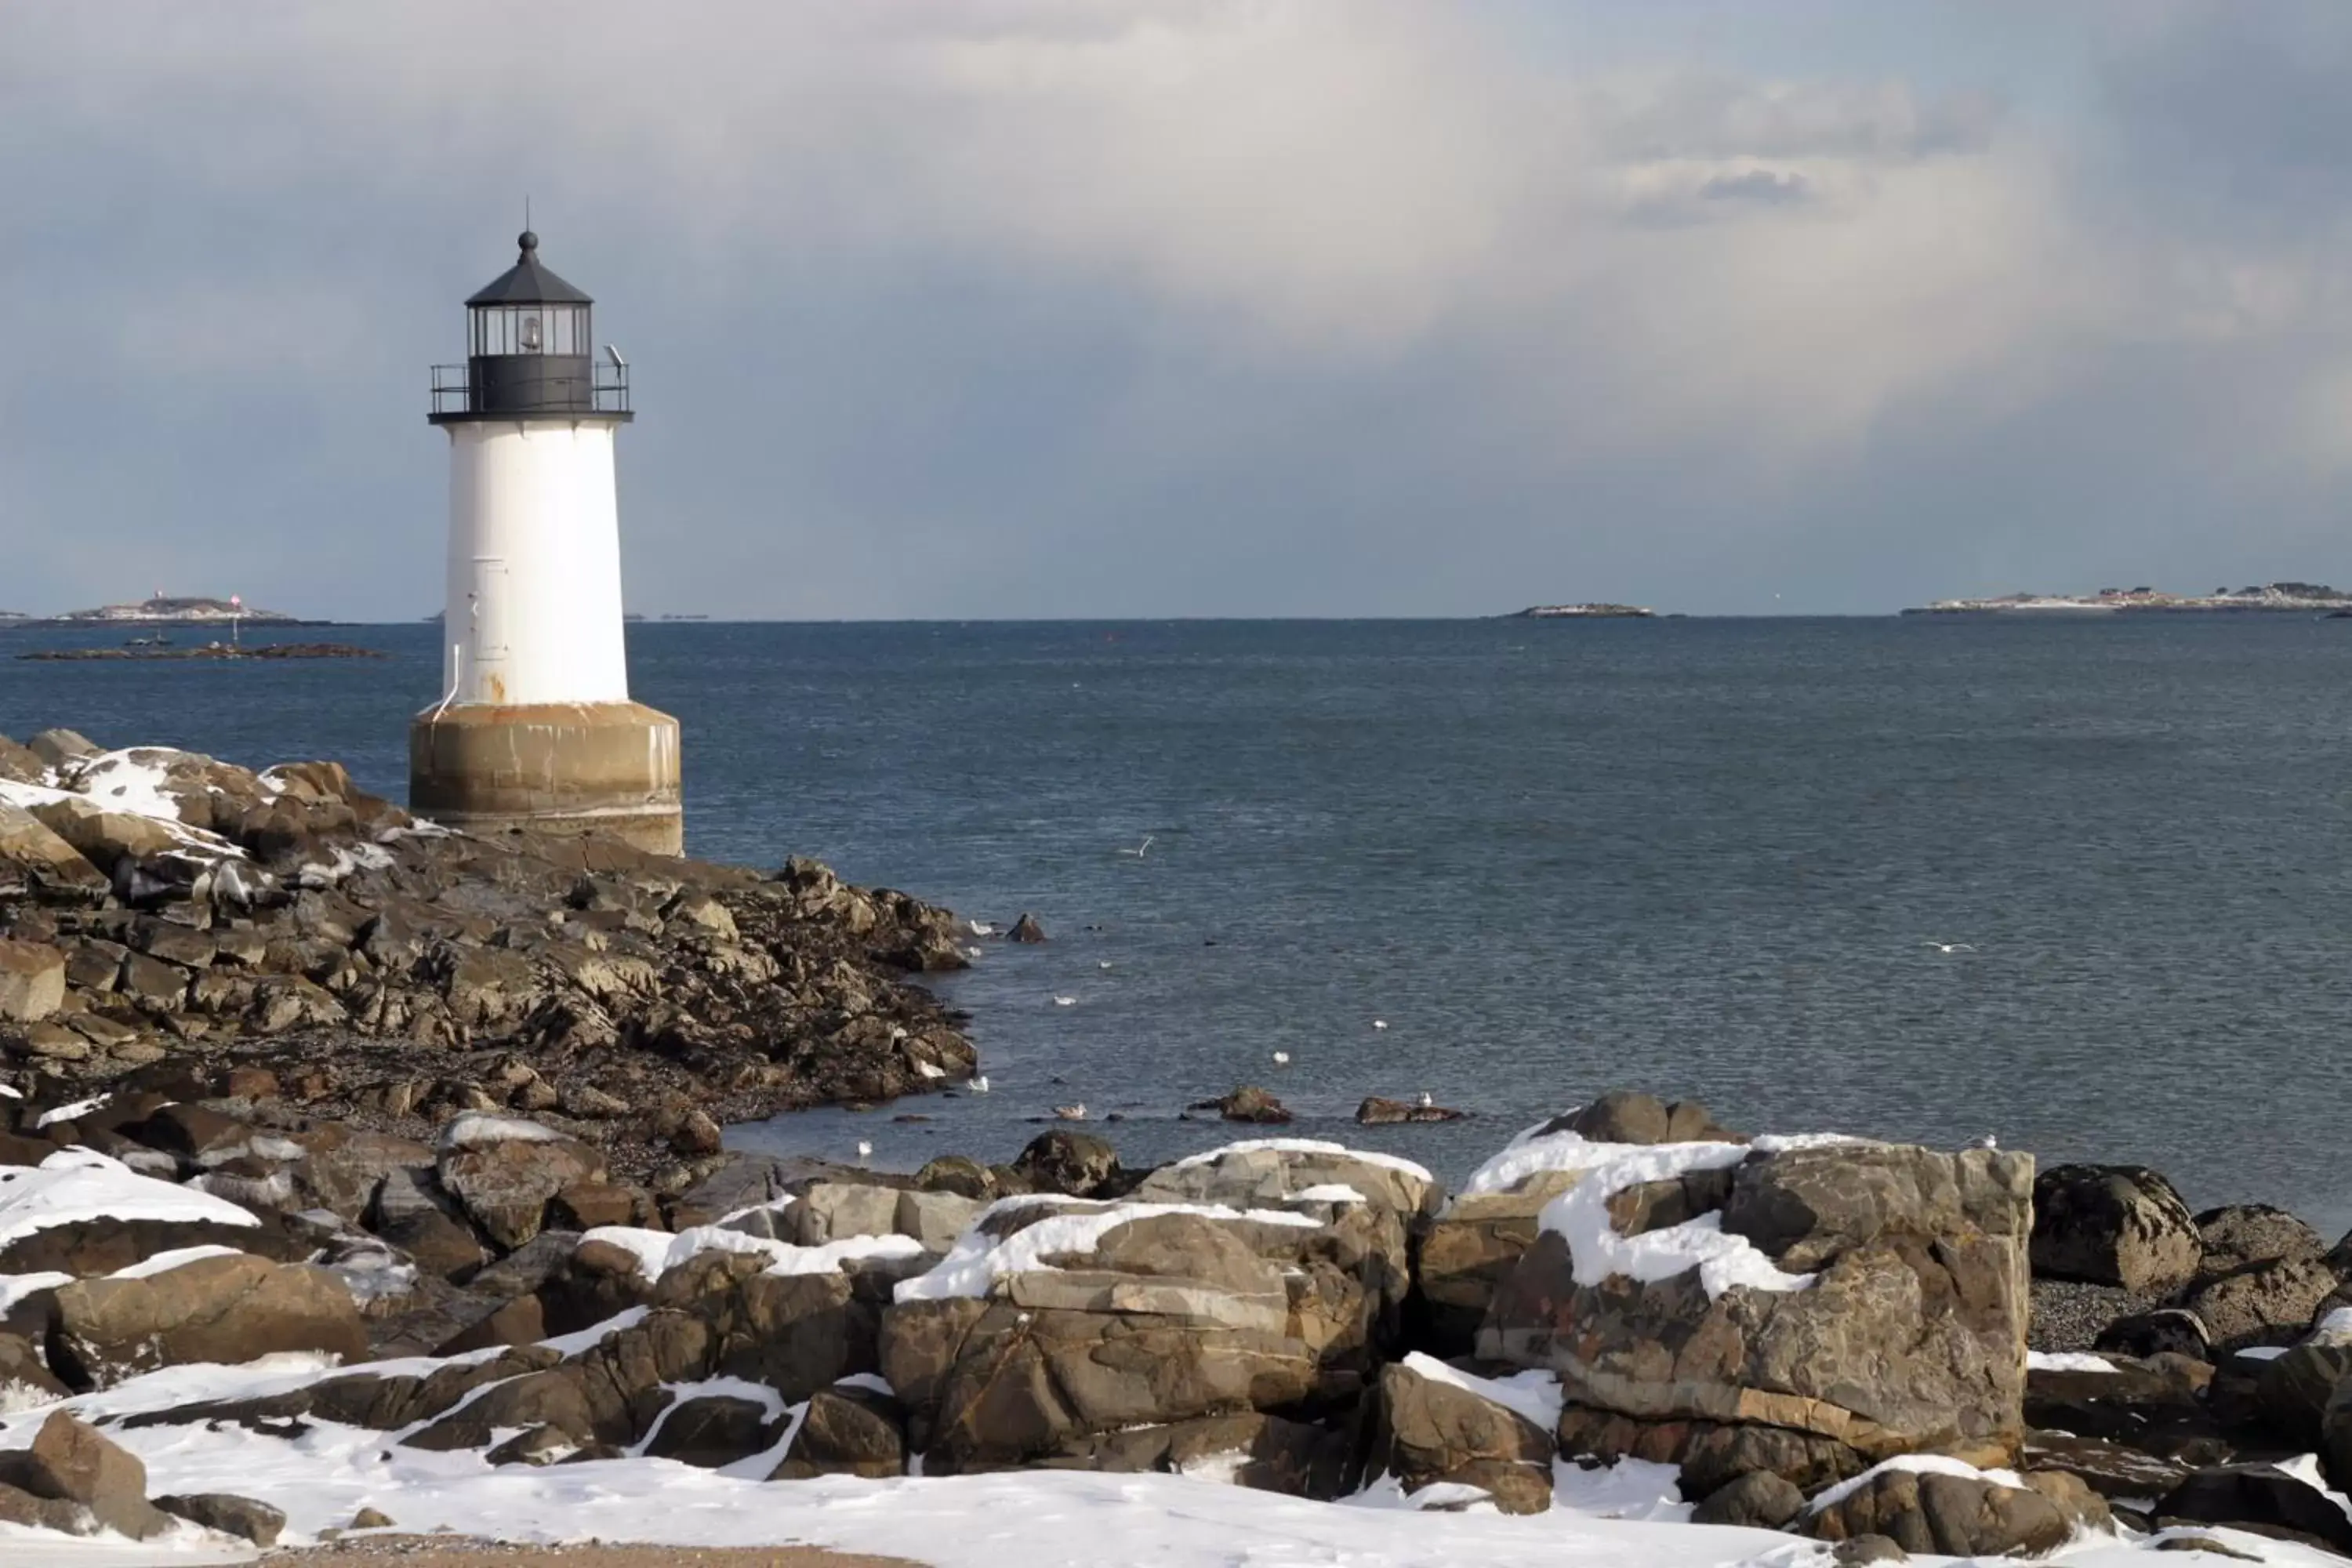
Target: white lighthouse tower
x=534 y=728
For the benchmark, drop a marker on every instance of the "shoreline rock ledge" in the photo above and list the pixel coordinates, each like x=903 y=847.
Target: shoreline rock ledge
x=169 y=920
x=1819 y=1335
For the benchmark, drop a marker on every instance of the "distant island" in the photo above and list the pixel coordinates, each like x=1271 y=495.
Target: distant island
x=214 y=650
x=1580 y=612
x=2304 y=596
x=168 y=609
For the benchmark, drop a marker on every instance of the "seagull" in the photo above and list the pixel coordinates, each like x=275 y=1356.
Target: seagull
x=1071 y=1112
x=1139 y=849
x=1065 y=1001
x=1948 y=948
x=1102 y=964
x=980 y=1084
x=865 y=1150
x=1987 y=1142
x=1282 y=1059
x=977 y=951
x=980 y=928
x=1380 y=1023
x=1426 y=1100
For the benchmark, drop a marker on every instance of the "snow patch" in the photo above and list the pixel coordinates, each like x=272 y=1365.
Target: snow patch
x=74 y=1112
x=74 y=1186
x=1329 y=1193
x=477 y=1128
x=164 y=1262
x=1308 y=1146
x=978 y=1259
x=1581 y=1217
x=2068 y=1360
x=1918 y=1464
x=658 y=1252
x=1533 y=1395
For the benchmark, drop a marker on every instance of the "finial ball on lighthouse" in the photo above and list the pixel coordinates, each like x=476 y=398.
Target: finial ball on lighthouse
x=533 y=728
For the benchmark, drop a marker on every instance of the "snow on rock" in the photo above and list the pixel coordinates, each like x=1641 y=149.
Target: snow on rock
x=1532 y=1395
x=1581 y=1217
x=349 y=859
x=657 y=1251
x=76 y=1186
x=164 y=1262
x=15 y=1287
x=1307 y=1146
x=475 y=1129
x=1918 y=1464
x=73 y=1112
x=979 y=1259
x=130 y=780
x=2066 y=1361
x=1329 y=1193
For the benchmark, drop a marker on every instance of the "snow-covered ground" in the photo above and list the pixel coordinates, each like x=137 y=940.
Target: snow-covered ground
x=1627 y=1516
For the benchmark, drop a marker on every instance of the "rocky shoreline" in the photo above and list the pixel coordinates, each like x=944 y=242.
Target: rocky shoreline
x=377 y=1169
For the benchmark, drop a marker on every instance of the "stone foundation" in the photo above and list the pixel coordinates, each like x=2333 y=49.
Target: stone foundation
x=601 y=767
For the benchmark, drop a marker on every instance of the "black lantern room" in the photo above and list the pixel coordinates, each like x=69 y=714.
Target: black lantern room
x=530 y=353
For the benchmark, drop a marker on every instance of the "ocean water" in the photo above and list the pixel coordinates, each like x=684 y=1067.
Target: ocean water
x=1706 y=858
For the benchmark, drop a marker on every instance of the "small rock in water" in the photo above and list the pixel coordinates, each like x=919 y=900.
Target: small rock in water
x=1378 y=1112
x=1246 y=1103
x=1026 y=929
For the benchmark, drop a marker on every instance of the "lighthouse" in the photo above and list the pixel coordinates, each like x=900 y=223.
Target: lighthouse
x=533 y=728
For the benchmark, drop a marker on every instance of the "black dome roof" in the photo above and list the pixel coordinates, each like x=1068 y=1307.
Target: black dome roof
x=529 y=283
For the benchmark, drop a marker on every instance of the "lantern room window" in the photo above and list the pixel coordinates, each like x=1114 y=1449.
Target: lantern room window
x=532 y=329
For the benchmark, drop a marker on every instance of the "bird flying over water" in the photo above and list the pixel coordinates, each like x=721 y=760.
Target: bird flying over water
x=1065 y=1001
x=1948 y=947
x=1140 y=849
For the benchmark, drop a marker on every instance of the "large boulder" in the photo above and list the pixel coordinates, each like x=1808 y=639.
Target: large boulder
x=1955 y=1513
x=31 y=980
x=72 y=1462
x=2265 y=1303
x=36 y=862
x=1052 y=1324
x=1077 y=1164
x=229 y=1308
x=1436 y=1425
x=2242 y=1236
x=847 y=1431
x=2261 y=1498
x=503 y=1171
x=2293 y=1389
x=2114 y=1224
x=1809 y=1309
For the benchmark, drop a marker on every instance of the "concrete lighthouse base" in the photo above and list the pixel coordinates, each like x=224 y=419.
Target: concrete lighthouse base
x=557 y=767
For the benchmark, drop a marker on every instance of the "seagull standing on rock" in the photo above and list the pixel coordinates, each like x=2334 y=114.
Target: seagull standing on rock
x=1427 y=1099
x=1987 y=1142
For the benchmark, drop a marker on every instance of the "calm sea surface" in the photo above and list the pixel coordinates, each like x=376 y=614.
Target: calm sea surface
x=1704 y=858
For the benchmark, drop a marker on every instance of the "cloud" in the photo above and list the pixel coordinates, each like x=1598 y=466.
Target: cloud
x=1046 y=307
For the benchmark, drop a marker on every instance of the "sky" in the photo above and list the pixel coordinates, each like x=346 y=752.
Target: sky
x=974 y=308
